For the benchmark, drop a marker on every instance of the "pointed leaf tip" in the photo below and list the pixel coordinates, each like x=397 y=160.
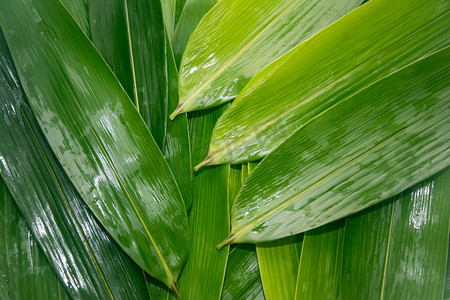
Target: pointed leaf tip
x=179 y=110
x=225 y=242
x=207 y=161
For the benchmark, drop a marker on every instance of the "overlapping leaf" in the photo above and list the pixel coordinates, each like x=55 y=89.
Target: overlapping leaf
x=373 y=41
x=221 y=57
x=84 y=256
x=374 y=144
x=24 y=271
x=87 y=118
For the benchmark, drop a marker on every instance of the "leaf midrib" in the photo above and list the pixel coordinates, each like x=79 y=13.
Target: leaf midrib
x=158 y=252
x=271 y=121
x=200 y=89
x=250 y=225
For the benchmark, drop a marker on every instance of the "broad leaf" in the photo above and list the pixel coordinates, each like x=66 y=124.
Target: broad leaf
x=398 y=250
x=24 y=271
x=373 y=41
x=242 y=273
x=193 y=11
x=377 y=142
x=83 y=255
x=209 y=220
x=98 y=136
x=221 y=57
x=319 y=265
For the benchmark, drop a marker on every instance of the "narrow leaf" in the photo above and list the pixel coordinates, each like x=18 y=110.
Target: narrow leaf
x=168 y=11
x=25 y=273
x=221 y=57
x=209 y=220
x=98 y=136
x=278 y=264
x=387 y=249
x=373 y=41
x=319 y=266
x=84 y=256
x=242 y=273
x=191 y=14
x=375 y=143
x=80 y=13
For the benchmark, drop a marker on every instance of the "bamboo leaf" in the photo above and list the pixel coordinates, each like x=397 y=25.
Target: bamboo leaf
x=221 y=58
x=193 y=11
x=382 y=37
x=25 y=273
x=209 y=220
x=319 y=265
x=390 y=246
x=98 y=136
x=278 y=263
x=384 y=139
x=85 y=257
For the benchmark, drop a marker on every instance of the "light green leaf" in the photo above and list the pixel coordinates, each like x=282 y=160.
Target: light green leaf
x=319 y=266
x=221 y=57
x=209 y=220
x=168 y=11
x=86 y=259
x=98 y=136
x=377 y=142
x=398 y=250
x=193 y=11
x=242 y=273
x=278 y=264
x=373 y=41
x=24 y=271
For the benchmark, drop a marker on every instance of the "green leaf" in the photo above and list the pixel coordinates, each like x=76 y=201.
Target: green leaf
x=373 y=41
x=83 y=255
x=221 y=57
x=319 y=265
x=209 y=220
x=377 y=142
x=447 y=277
x=80 y=12
x=24 y=271
x=397 y=251
x=278 y=264
x=193 y=11
x=98 y=136
x=168 y=11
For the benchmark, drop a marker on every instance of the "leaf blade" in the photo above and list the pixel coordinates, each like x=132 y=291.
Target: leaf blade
x=417 y=141
x=95 y=162
x=221 y=58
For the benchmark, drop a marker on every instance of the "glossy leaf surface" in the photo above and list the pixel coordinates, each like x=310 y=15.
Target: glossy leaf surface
x=278 y=263
x=375 y=143
x=221 y=57
x=193 y=11
x=242 y=273
x=24 y=270
x=84 y=256
x=98 y=136
x=319 y=265
x=209 y=220
x=382 y=36
x=397 y=250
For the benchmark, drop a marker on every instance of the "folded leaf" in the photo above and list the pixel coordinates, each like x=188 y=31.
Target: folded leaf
x=87 y=260
x=24 y=271
x=373 y=41
x=98 y=136
x=377 y=142
x=193 y=11
x=209 y=220
x=221 y=57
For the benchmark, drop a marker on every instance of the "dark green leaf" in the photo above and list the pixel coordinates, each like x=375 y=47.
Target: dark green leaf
x=373 y=41
x=24 y=271
x=98 y=136
x=376 y=143
x=221 y=57
x=83 y=255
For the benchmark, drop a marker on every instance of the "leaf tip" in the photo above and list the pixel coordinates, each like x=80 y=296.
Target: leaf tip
x=176 y=112
x=205 y=162
x=173 y=286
